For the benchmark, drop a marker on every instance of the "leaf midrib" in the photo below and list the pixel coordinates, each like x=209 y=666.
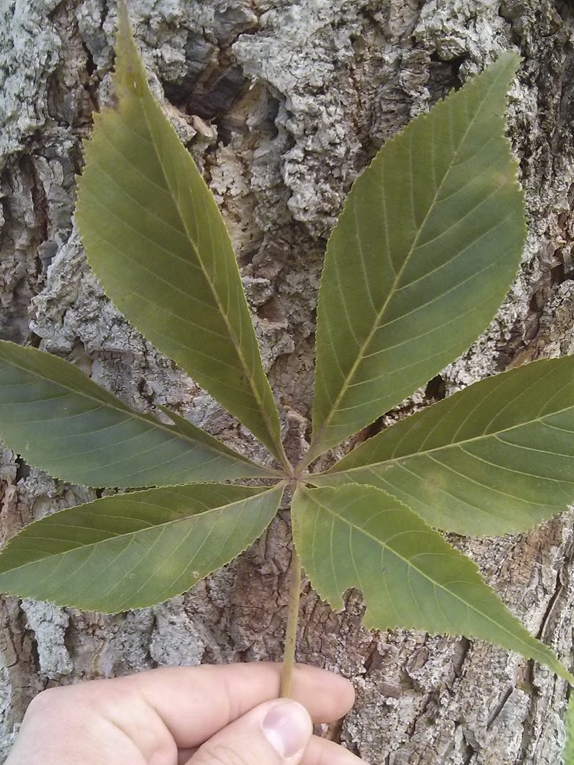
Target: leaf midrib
x=236 y=344
x=131 y=534
x=345 y=386
x=452 y=445
x=421 y=573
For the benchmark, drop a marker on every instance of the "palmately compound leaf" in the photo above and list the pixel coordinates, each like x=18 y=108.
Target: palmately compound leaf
x=495 y=458
x=135 y=550
x=61 y=421
x=158 y=244
x=423 y=254
x=360 y=536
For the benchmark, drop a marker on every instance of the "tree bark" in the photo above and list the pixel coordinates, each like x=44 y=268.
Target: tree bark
x=283 y=102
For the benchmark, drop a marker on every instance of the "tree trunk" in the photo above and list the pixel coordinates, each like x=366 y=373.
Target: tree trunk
x=283 y=102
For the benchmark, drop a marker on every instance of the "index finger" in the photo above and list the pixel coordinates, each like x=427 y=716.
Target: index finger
x=196 y=702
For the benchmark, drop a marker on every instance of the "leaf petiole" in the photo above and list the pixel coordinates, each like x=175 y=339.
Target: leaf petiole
x=292 y=622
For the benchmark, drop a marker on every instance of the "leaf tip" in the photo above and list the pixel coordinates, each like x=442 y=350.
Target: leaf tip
x=508 y=63
x=124 y=33
x=130 y=75
x=123 y=15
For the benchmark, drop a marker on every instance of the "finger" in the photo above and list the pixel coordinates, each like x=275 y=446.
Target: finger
x=196 y=702
x=274 y=733
x=320 y=751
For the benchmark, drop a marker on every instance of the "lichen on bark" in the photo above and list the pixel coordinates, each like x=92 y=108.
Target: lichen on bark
x=282 y=103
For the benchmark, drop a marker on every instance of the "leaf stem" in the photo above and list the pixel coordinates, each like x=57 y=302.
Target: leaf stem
x=292 y=622
x=284 y=461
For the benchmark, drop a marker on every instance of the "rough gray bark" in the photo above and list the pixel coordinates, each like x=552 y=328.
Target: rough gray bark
x=283 y=102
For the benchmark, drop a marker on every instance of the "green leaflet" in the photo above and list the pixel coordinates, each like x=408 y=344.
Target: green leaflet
x=158 y=244
x=360 y=536
x=61 y=421
x=135 y=550
x=495 y=458
x=426 y=247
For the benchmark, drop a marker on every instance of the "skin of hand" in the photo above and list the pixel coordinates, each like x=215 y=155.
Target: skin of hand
x=208 y=715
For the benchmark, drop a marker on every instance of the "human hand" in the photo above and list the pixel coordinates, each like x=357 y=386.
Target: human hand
x=208 y=715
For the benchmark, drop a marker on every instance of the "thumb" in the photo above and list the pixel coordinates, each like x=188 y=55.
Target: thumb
x=274 y=733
